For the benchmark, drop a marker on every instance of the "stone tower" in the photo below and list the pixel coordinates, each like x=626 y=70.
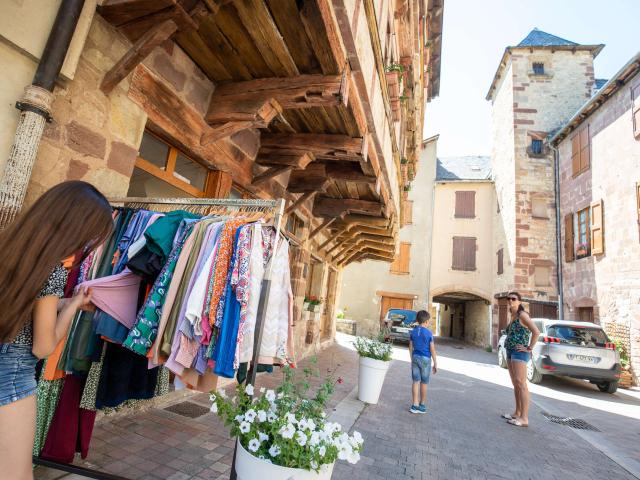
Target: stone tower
x=540 y=83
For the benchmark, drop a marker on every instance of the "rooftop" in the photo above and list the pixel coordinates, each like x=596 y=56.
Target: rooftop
x=456 y=169
x=538 y=38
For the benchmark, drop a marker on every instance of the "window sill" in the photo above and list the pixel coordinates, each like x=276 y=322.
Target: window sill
x=539 y=218
x=540 y=76
x=577 y=174
x=467 y=218
x=399 y=273
x=531 y=154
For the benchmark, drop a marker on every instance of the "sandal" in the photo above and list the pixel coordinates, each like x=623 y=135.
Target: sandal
x=517 y=423
x=507 y=416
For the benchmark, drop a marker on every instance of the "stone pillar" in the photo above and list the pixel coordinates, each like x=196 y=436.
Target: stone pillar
x=22 y=156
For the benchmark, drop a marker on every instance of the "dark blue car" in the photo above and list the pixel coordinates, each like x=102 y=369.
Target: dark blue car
x=398 y=324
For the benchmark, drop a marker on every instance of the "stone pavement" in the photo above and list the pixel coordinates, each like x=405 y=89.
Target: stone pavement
x=461 y=436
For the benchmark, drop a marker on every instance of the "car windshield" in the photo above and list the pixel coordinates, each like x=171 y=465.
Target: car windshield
x=584 y=336
x=400 y=317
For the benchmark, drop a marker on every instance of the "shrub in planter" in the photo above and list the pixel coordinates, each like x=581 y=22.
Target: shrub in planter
x=375 y=356
x=286 y=428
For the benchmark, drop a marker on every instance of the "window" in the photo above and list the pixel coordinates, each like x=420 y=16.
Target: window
x=583 y=234
x=585 y=314
x=295 y=225
x=538 y=68
x=407 y=212
x=569 y=255
x=542 y=276
x=536 y=146
x=465 y=204
x=581 y=151
x=163 y=171
x=597 y=228
x=501 y=261
x=587 y=337
x=635 y=109
x=539 y=208
x=464 y=254
x=400 y=265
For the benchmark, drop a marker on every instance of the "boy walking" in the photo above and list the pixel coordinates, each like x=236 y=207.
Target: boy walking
x=423 y=356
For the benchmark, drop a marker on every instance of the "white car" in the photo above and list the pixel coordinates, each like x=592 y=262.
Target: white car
x=572 y=349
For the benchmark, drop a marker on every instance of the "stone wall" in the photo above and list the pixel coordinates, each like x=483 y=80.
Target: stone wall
x=476 y=323
x=610 y=283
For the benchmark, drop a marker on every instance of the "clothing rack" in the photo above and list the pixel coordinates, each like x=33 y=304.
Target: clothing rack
x=204 y=206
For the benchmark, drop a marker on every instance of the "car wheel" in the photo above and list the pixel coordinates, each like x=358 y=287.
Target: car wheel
x=533 y=375
x=502 y=358
x=608 y=387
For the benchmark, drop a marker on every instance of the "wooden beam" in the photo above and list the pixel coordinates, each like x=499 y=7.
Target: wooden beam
x=312 y=179
x=118 y=13
x=299 y=201
x=348 y=172
x=372 y=238
x=299 y=160
x=138 y=52
x=335 y=207
x=324 y=224
x=332 y=238
x=223 y=130
x=270 y=173
x=365 y=219
x=323 y=146
x=300 y=91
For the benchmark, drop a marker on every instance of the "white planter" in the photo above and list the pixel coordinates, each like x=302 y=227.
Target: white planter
x=249 y=467
x=371 y=379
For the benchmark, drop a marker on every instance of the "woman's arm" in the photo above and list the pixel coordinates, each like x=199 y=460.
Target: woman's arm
x=525 y=319
x=49 y=325
x=434 y=358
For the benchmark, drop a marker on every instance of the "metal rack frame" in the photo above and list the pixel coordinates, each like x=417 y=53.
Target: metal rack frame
x=217 y=205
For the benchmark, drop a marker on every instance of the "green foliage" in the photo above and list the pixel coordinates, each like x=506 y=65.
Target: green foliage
x=341 y=315
x=395 y=67
x=374 y=348
x=488 y=348
x=288 y=426
x=622 y=350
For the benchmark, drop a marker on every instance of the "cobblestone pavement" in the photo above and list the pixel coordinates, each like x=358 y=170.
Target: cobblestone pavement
x=461 y=436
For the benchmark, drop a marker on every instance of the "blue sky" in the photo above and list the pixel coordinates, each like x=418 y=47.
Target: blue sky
x=476 y=33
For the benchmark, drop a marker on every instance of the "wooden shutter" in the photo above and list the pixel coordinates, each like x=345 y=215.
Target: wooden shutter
x=458 y=253
x=635 y=109
x=464 y=253
x=638 y=199
x=575 y=154
x=466 y=204
x=585 y=149
x=470 y=254
x=501 y=261
x=568 y=238
x=597 y=230
x=401 y=263
x=407 y=212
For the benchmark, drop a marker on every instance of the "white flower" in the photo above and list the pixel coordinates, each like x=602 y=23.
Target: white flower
x=291 y=418
x=249 y=389
x=271 y=417
x=262 y=389
x=357 y=437
x=323 y=414
x=212 y=397
x=271 y=395
x=303 y=424
x=280 y=395
x=263 y=437
x=239 y=418
x=274 y=451
x=214 y=407
x=254 y=444
x=353 y=458
x=345 y=451
x=262 y=416
x=315 y=439
x=301 y=438
x=311 y=425
x=287 y=431
x=245 y=427
x=314 y=465
x=250 y=415
x=322 y=451
x=222 y=393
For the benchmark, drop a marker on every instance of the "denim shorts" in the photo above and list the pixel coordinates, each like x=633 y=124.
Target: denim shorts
x=516 y=356
x=420 y=368
x=17 y=373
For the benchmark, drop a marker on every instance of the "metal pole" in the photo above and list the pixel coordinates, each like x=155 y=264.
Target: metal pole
x=556 y=171
x=36 y=110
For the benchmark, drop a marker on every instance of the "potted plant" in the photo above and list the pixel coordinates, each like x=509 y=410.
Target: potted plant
x=582 y=249
x=315 y=304
x=375 y=356
x=284 y=434
x=626 y=378
x=306 y=304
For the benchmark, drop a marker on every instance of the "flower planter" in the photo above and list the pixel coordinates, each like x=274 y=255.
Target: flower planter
x=315 y=308
x=249 y=467
x=626 y=379
x=371 y=379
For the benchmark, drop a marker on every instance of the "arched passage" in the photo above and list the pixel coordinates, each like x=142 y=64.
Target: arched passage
x=463 y=314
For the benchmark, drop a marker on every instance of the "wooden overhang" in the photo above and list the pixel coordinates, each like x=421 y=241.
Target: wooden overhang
x=282 y=82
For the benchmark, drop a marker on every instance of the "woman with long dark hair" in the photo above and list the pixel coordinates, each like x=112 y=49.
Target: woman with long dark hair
x=70 y=220
x=522 y=335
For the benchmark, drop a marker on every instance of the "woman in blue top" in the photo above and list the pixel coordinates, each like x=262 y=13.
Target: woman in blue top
x=423 y=354
x=522 y=335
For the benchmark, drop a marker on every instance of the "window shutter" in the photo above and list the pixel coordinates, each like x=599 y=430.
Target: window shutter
x=597 y=231
x=568 y=238
x=585 y=149
x=635 y=109
x=575 y=154
x=465 y=204
x=501 y=261
x=470 y=254
x=408 y=212
x=458 y=253
x=638 y=199
x=400 y=264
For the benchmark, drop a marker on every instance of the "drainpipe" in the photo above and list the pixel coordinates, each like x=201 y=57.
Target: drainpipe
x=35 y=106
x=556 y=169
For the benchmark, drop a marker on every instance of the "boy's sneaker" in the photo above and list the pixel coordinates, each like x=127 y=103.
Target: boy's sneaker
x=422 y=408
x=415 y=409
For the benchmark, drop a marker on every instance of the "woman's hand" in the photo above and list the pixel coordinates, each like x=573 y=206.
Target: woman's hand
x=521 y=348
x=82 y=301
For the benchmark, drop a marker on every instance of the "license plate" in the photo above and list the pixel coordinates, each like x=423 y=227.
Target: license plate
x=583 y=358
x=402 y=330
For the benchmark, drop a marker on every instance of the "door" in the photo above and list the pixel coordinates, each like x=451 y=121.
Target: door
x=585 y=314
x=388 y=302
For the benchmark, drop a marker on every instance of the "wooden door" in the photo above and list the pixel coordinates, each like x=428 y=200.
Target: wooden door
x=585 y=314
x=503 y=314
x=394 y=302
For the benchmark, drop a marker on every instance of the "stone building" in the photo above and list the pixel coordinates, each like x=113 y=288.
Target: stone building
x=313 y=101
x=462 y=266
x=539 y=84
x=599 y=165
x=374 y=287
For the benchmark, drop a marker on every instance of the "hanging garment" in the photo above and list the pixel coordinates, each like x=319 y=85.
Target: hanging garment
x=136 y=246
x=241 y=277
x=106 y=266
x=161 y=235
x=47 y=398
x=143 y=334
x=116 y=295
x=135 y=229
x=71 y=427
x=108 y=327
